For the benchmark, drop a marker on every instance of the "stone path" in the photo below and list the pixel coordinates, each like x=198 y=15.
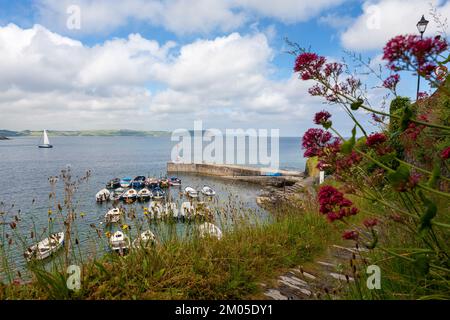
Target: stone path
x=323 y=279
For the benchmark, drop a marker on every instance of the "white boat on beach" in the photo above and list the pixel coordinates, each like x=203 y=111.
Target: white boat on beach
x=191 y=192
x=46 y=141
x=102 y=195
x=119 y=242
x=46 y=247
x=113 y=216
x=208 y=191
x=209 y=230
x=145 y=239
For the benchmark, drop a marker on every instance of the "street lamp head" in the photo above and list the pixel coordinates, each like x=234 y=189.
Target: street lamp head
x=422 y=25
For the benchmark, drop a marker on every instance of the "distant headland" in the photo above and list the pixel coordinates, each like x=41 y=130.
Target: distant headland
x=4 y=134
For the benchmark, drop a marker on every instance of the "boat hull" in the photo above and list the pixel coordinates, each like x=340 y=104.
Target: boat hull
x=45 y=146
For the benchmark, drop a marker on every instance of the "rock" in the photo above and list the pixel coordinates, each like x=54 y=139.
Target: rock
x=4 y=138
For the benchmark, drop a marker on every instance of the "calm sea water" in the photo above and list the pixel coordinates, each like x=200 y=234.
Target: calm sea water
x=25 y=169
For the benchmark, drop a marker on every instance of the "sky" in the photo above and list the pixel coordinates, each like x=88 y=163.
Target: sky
x=161 y=65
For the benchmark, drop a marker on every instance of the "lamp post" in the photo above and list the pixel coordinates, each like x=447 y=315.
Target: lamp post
x=421 y=26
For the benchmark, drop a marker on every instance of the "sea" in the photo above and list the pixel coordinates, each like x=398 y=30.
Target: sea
x=25 y=171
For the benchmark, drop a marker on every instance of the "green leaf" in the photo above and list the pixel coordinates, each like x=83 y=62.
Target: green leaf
x=348 y=145
x=435 y=175
x=356 y=105
x=428 y=215
x=406 y=117
x=327 y=125
x=400 y=177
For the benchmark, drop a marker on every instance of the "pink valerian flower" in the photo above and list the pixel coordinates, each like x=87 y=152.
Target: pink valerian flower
x=333 y=69
x=423 y=96
x=445 y=154
x=348 y=161
x=334 y=205
x=391 y=82
x=409 y=184
x=375 y=139
x=309 y=65
x=314 y=140
x=322 y=117
x=412 y=52
x=370 y=223
x=350 y=235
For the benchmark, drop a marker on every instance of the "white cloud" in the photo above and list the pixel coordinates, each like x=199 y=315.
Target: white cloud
x=383 y=19
x=53 y=81
x=179 y=16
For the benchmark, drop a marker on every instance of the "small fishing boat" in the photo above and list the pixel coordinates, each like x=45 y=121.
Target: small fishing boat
x=119 y=242
x=144 y=194
x=113 y=183
x=113 y=216
x=209 y=230
x=129 y=195
x=174 y=181
x=158 y=193
x=138 y=182
x=46 y=141
x=115 y=196
x=151 y=183
x=125 y=182
x=208 y=191
x=46 y=247
x=145 y=239
x=164 y=183
x=191 y=192
x=103 y=195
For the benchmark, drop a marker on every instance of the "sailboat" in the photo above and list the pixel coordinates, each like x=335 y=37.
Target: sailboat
x=46 y=143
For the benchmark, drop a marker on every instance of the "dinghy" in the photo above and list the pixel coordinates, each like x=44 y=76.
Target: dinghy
x=119 y=242
x=151 y=183
x=125 y=182
x=209 y=230
x=113 y=183
x=102 y=195
x=113 y=216
x=46 y=247
x=46 y=141
x=174 y=181
x=144 y=194
x=191 y=192
x=208 y=191
x=129 y=195
x=138 y=182
x=158 y=193
x=145 y=239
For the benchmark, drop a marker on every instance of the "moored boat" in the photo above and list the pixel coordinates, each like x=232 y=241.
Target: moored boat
x=125 y=182
x=158 y=193
x=151 y=183
x=145 y=239
x=113 y=183
x=208 y=191
x=138 y=182
x=113 y=216
x=45 y=248
x=208 y=229
x=144 y=194
x=174 y=181
x=191 y=192
x=129 y=195
x=119 y=242
x=102 y=195
x=46 y=142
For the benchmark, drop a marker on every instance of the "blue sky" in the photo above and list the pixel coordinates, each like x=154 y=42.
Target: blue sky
x=160 y=65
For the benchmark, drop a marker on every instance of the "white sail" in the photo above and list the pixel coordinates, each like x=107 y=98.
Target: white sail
x=46 y=141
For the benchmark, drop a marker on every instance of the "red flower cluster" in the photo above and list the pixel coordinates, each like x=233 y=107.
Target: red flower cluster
x=391 y=82
x=314 y=140
x=375 y=139
x=322 y=117
x=334 y=204
x=309 y=65
x=410 y=183
x=348 y=161
x=406 y=52
x=445 y=154
x=370 y=223
x=350 y=235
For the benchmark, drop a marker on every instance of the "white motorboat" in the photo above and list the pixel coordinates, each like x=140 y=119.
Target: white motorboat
x=191 y=192
x=46 y=247
x=102 y=195
x=208 y=191
x=144 y=194
x=129 y=195
x=145 y=239
x=46 y=142
x=113 y=215
x=209 y=230
x=119 y=242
